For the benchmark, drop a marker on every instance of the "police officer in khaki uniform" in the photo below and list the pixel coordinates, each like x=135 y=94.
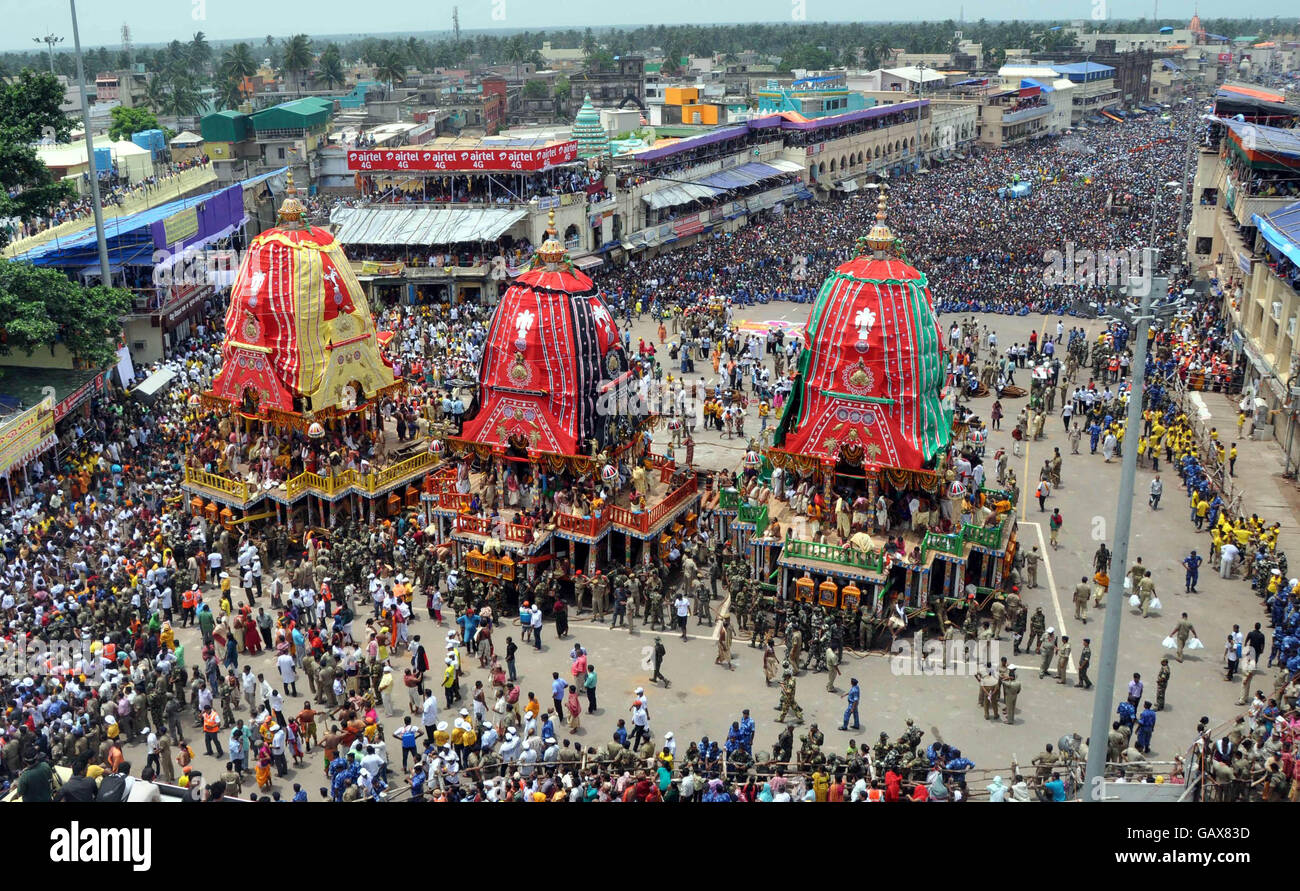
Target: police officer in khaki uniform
x=1048 y=651
x=1063 y=659
x=1010 y=693
x=1081 y=592
x=1031 y=566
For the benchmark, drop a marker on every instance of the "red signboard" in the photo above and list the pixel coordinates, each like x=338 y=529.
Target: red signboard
x=463 y=159
x=71 y=402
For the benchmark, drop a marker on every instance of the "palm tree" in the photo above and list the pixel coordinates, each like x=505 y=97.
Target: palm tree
x=155 y=93
x=517 y=52
x=238 y=63
x=392 y=68
x=230 y=93
x=200 y=53
x=297 y=57
x=330 y=67
x=183 y=98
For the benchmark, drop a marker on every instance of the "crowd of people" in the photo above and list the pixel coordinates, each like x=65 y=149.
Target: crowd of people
x=980 y=253
x=114 y=191
x=101 y=553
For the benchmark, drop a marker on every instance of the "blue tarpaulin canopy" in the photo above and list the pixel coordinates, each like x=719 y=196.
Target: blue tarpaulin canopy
x=1281 y=229
x=131 y=238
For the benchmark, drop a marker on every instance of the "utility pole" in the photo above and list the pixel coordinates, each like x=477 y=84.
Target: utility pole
x=104 y=267
x=1187 y=162
x=1115 y=601
x=49 y=40
x=920 y=95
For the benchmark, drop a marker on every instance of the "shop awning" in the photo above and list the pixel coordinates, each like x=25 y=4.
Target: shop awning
x=851 y=185
x=426 y=225
x=154 y=384
x=742 y=176
x=785 y=166
x=588 y=262
x=680 y=193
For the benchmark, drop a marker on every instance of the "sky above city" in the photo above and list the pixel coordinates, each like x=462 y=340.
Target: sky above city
x=158 y=21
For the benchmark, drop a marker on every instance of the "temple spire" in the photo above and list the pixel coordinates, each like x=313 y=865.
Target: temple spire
x=880 y=239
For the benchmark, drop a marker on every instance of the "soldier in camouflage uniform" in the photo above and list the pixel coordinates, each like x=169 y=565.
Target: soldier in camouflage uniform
x=634 y=598
x=703 y=614
x=881 y=748
x=740 y=605
x=788 y=703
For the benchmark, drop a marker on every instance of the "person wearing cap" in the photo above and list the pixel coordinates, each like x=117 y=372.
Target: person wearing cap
x=1048 y=651
x=1085 y=659
x=535 y=622
x=659 y=652
x=449 y=680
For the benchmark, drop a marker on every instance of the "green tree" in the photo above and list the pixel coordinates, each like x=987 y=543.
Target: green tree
x=40 y=307
x=155 y=93
x=392 y=67
x=535 y=89
x=517 y=52
x=183 y=99
x=562 y=87
x=330 y=67
x=238 y=63
x=126 y=122
x=230 y=94
x=200 y=53
x=599 y=60
x=29 y=112
x=297 y=58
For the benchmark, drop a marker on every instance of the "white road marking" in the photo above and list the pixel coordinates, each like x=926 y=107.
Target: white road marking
x=1051 y=586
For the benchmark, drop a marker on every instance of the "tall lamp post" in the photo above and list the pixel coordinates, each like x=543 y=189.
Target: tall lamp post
x=1102 y=703
x=49 y=40
x=1154 y=288
x=920 y=96
x=105 y=271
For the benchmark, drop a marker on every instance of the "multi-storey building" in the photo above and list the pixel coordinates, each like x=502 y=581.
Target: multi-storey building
x=1244 y=236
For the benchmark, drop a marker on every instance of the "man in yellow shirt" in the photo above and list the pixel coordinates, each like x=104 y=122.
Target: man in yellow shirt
x=1232 y=460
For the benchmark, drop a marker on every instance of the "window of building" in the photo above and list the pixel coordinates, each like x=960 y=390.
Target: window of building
x=1204 y=245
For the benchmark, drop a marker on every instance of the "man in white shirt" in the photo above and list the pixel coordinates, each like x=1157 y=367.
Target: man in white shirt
x=535 y=622
x=683 y=605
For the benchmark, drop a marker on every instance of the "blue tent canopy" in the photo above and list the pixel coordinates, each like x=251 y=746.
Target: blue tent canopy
x=130 y=238
x=1281 y=229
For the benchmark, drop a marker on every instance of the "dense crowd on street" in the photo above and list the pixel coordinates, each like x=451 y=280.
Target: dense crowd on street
x=307 y=666
x=979 y=252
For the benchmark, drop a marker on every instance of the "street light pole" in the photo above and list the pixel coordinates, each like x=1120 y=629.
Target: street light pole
x=104 y=268
x=1187 y=161
x=49 y=40
x=1104 y=697
x=920 y=96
